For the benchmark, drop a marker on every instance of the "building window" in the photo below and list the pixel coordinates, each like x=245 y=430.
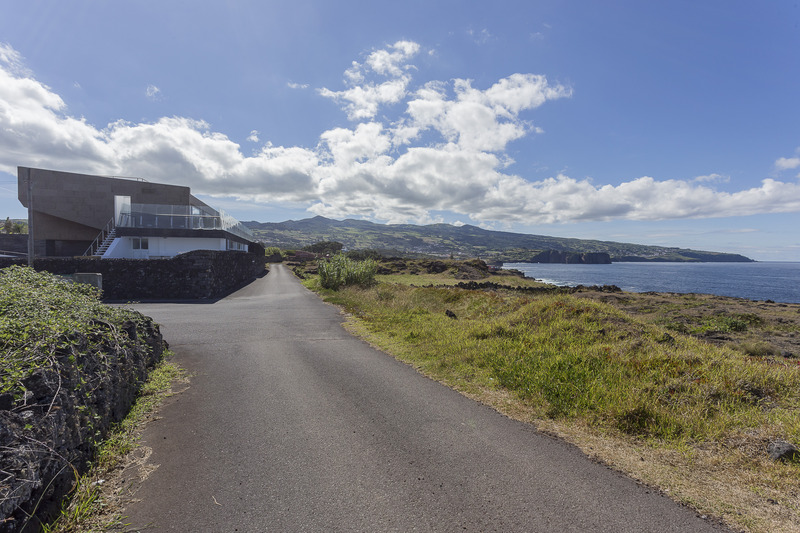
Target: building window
x=233 y=245
x=140 y=243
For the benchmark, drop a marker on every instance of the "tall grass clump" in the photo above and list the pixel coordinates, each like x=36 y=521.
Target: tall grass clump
x=341 y=271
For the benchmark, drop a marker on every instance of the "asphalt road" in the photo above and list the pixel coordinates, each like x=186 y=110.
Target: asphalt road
x=292 y=424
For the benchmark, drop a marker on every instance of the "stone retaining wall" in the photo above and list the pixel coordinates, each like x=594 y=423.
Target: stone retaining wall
x=201 y=274
x=13 y=243
x=48 y=436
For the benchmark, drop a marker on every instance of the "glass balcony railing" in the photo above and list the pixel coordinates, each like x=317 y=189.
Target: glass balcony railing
x=180 y=217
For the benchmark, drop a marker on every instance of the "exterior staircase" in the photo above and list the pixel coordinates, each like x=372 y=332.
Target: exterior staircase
x=103 y=241
x=106 y=242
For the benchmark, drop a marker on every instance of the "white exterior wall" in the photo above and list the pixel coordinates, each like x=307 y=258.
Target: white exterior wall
x=160 y=247
x=111 y=251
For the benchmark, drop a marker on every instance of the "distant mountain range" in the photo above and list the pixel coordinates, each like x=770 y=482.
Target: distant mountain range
x=465 y=242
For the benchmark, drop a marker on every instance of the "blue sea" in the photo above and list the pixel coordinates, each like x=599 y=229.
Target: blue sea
x=776 y=281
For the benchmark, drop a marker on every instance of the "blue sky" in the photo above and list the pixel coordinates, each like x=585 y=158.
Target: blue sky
x=674 y=123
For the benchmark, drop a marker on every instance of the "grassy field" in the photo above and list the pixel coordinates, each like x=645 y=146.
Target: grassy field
x=684 y=393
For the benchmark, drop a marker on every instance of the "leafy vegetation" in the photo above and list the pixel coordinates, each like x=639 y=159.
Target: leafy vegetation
x=69 y=366
x=360 y=255
x=14 y=226
x=40 y=315
x=341 y=271
x=324 y=247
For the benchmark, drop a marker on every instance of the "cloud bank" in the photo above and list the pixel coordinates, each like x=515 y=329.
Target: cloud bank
x=444 y=152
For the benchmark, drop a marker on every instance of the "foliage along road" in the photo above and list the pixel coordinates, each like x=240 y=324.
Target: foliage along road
x=292 y=424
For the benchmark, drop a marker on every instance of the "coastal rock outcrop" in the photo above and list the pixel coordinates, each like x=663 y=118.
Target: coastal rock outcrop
x=557 y=256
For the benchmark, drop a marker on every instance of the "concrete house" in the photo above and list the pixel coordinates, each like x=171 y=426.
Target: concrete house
x=79 y=214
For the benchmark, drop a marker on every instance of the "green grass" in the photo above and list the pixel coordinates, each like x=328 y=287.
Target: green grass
x=418 y=279
x=446 y=278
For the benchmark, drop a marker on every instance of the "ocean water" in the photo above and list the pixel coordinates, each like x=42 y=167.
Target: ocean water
x=776 y=281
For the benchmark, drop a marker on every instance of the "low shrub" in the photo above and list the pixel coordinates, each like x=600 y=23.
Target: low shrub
x=361 y=255
x=340 y=271
x=40 y=315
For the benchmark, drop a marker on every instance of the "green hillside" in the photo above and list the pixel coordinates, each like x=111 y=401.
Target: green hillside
x=459 y=241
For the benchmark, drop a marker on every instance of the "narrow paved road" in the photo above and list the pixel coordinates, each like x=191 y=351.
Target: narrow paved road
x=291 y=424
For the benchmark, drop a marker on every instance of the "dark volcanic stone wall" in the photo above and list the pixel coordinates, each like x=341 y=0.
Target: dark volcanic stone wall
x=48 y=435
x=201 y=274
x=13 y=243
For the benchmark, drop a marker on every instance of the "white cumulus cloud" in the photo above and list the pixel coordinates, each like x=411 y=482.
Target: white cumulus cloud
x=445 y=152
x=482 y=120
x=711 y=178
x=787 y=163
x=392 y=61
x=363 y=99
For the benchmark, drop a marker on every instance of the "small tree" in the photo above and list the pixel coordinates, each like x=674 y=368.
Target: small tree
x=360 y=255
x=273 y=254
x=325 y=247
x=8 y=226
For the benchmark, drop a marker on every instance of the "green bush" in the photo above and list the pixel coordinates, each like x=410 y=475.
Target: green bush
x=325 y=247
x=361 y=255
x=340 y=271
x=41 y=314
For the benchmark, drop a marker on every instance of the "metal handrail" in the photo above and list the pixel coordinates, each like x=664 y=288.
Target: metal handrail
x=109 y=227
x=21 y=254
x=181 y=216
